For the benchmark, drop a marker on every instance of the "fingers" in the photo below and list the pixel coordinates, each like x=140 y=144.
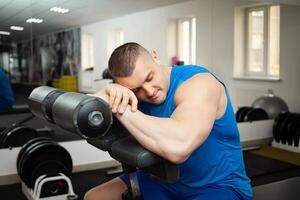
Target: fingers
x=122 y=107
x=120 y=97
x=112 y=95
x=133 y=101
x=115 y=98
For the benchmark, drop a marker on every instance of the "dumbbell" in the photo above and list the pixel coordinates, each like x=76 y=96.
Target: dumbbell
x=16 y=136
x=285 y=128
x=292 y=128
x=241 y=113
x=277 y=126
x=297 y=137
x=246 y=113
x=255 y=114
x=42 y=156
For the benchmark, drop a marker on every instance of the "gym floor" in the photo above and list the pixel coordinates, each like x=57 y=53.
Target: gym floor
x=261 y=170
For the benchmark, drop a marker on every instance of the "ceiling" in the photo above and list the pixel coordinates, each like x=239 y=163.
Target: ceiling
x=15 y=12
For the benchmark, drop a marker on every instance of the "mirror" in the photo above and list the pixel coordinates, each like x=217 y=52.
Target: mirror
x=14 y=60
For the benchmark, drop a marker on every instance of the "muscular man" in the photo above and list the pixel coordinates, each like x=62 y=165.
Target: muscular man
x=6 y=95
x=184 y=115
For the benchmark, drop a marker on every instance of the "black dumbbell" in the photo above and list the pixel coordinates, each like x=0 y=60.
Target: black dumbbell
x=25 y=147
x=241 y=112
x=16 y=136
x=292 y=128
x=283 y=130
x=256 y=114
x=42 y=156
x=297 y=136
x=277 y=124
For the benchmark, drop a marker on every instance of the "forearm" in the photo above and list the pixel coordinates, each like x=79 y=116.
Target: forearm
x=163 y=136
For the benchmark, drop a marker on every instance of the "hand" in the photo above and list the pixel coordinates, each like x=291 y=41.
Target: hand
x=101 y=94
x=120 y=97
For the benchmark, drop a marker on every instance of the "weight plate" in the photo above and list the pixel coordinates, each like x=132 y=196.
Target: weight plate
x=242 y=113
x=25 y=177
x=276 y=126
x=283 y=127
x=292 y=128
x=297 y=136
x=43 y=152
x=18 y=136
x=3 y=134
x=256 y=114
x=25 y=146
x=25 y=154
x=238 y=113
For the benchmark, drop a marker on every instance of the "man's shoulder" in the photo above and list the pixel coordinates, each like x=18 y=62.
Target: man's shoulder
x=199 y=84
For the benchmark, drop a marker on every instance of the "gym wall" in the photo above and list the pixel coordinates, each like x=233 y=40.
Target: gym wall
x=214 y=46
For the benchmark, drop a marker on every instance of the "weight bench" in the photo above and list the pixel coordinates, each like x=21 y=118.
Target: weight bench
x=91 y=118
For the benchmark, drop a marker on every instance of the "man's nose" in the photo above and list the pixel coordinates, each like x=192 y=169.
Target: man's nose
x=148 y=89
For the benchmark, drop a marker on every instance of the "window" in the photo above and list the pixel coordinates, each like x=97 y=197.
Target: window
x=87 y=51
x=115 y=39
x=186 y=40
x=262 y=41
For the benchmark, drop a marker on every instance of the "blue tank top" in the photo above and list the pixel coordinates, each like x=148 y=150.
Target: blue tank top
x=219 y=159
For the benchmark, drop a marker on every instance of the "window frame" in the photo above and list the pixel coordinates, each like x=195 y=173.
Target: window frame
x=192 y=36
x=247 y=66
x=87 y=51
x=265 y=72
x=112 y=41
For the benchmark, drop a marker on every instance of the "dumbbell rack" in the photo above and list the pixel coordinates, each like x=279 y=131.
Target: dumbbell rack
x=35 y=193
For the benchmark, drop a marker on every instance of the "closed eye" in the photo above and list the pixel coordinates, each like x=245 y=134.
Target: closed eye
x=149 y=78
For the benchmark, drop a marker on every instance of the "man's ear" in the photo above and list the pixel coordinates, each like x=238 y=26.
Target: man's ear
x=155 y=57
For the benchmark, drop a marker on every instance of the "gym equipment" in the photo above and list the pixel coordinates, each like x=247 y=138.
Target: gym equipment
x=255 y=114
x=239 y=111
x=286 y=131
x=277 y=125
x=91 y=118
x=292 y=128
x=247 y=113
x=17 y=134
x=272 y=104
x=283 y=129
x=44 y=166
x=79 y=113
x=297 y=137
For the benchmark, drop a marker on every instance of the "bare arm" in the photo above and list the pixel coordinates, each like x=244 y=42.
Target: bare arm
x=175 y=138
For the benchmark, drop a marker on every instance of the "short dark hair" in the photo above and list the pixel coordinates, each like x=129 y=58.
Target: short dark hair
x=122 y=61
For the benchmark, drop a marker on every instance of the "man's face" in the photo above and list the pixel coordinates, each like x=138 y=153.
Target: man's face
x=149 y=81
